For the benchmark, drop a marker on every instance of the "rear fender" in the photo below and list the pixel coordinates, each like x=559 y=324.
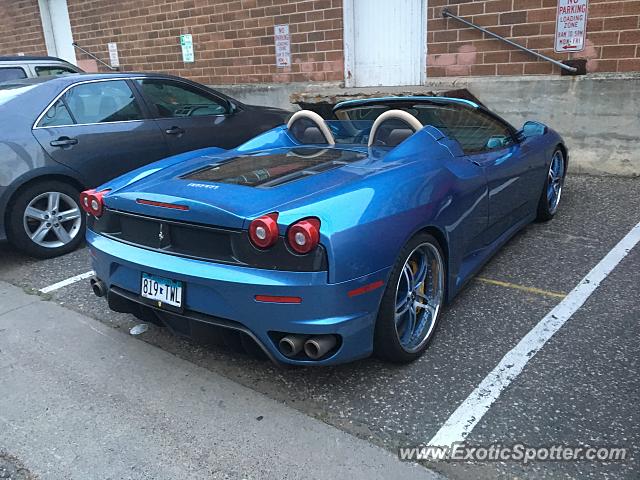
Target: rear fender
x=275 y=138
x=47 y=172
x=365 y=224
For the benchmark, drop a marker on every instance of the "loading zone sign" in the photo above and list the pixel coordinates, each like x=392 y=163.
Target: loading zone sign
x=283 y=45
x=571 y=25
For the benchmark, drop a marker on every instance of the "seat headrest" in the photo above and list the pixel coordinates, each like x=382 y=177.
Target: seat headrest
x=303 y=120
x=395 y=115
x=312 y=135
x=397 y=136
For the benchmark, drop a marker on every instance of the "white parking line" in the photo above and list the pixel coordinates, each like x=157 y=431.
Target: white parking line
x=468 y=414
x=66 y=282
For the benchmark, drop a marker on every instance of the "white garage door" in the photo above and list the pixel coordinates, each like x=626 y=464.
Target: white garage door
x=385 y=42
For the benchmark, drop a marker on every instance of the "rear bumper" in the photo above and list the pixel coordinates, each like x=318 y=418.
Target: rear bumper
x=225 y=295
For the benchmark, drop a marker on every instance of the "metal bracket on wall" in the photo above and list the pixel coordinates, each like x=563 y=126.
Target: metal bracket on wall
x=446 y=13
x=94 y=57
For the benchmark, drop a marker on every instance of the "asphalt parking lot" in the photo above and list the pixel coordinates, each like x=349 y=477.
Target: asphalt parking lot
x=582 y=388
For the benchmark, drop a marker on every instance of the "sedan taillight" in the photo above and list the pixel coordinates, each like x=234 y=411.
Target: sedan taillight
x=263 y=231
x=92 y=201
x=304 y=235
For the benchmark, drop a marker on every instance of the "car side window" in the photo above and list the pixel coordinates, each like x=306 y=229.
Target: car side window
x=475 y=131
x=11 y=73
x=177 y=99
x=102 y=102
x=57 y=115
x=45 y=71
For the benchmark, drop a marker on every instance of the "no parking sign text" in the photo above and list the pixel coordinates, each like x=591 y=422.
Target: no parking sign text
x=571 y=25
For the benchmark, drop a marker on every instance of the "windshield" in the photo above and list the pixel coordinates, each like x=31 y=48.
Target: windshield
x=350 y=132
x=9 y=91
x=437 y=115
x=474 y=130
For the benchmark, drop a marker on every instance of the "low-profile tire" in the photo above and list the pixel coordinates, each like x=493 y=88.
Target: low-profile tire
x=45 y=219
x=553 y=184
x=416 y=289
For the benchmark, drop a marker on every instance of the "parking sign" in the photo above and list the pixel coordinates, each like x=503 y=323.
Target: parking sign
x=283 y=45
x=571 y=26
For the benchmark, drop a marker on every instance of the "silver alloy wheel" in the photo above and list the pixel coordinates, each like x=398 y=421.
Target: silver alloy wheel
x=419 y=296
x=556 y=181
x=52 y=219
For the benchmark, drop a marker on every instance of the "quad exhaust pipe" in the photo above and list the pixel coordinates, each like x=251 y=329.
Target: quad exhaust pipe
x=98 y=287
x=316 y=347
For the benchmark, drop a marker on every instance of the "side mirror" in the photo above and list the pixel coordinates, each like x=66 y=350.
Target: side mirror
x=232 y=108
x=532 y=129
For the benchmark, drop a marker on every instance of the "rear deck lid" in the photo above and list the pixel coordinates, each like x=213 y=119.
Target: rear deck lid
x=267 y=170
x=226 y=190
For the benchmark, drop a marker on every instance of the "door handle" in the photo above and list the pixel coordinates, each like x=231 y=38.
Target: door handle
x=174 y=131
x=63 y=142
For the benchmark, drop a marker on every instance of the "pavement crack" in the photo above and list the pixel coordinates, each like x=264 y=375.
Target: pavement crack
x=16 y=308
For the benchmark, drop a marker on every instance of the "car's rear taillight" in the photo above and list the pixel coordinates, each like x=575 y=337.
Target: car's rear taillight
x=304 y=235
x=263 y=231
x=92 y=202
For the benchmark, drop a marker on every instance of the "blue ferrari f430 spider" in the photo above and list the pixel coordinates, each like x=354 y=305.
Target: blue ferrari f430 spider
x=323 y=241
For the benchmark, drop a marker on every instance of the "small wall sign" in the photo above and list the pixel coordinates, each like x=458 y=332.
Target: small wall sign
x=186 y=43
x=114 y=60
x=571 y=26
x=283 y=45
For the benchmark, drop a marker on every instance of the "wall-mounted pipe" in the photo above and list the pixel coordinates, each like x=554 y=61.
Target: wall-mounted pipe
x=446 y=13
x=93 y=56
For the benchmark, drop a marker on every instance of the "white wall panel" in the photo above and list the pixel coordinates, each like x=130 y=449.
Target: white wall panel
x=388 y=40
x=57 y=29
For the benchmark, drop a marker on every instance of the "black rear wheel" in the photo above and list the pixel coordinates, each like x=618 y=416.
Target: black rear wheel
x=412 y=302
x=550 y=197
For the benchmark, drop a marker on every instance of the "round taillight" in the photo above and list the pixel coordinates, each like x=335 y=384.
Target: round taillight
x=92 y=202
x=263 y=231
x=84 y=200
x=304 y=235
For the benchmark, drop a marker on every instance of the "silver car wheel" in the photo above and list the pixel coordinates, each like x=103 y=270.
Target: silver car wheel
x=556 y=181
x=419 y=296
x=52 y=219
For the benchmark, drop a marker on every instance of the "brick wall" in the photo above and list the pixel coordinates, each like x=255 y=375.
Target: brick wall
x=234 y=42
x=613 y=37
x=21 y=28
x=233 y=39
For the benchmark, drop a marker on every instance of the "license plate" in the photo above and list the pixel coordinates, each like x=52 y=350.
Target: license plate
x=161 y=290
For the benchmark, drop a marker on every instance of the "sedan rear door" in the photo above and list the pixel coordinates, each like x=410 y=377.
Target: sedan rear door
x=191 y=117
x=99 y=129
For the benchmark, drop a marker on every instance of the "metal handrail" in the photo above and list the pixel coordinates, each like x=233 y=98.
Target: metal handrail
x=94 y=57
x=446 y=13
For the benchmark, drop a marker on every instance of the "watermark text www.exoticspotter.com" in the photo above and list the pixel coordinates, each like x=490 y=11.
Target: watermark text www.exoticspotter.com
x=518 y=452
